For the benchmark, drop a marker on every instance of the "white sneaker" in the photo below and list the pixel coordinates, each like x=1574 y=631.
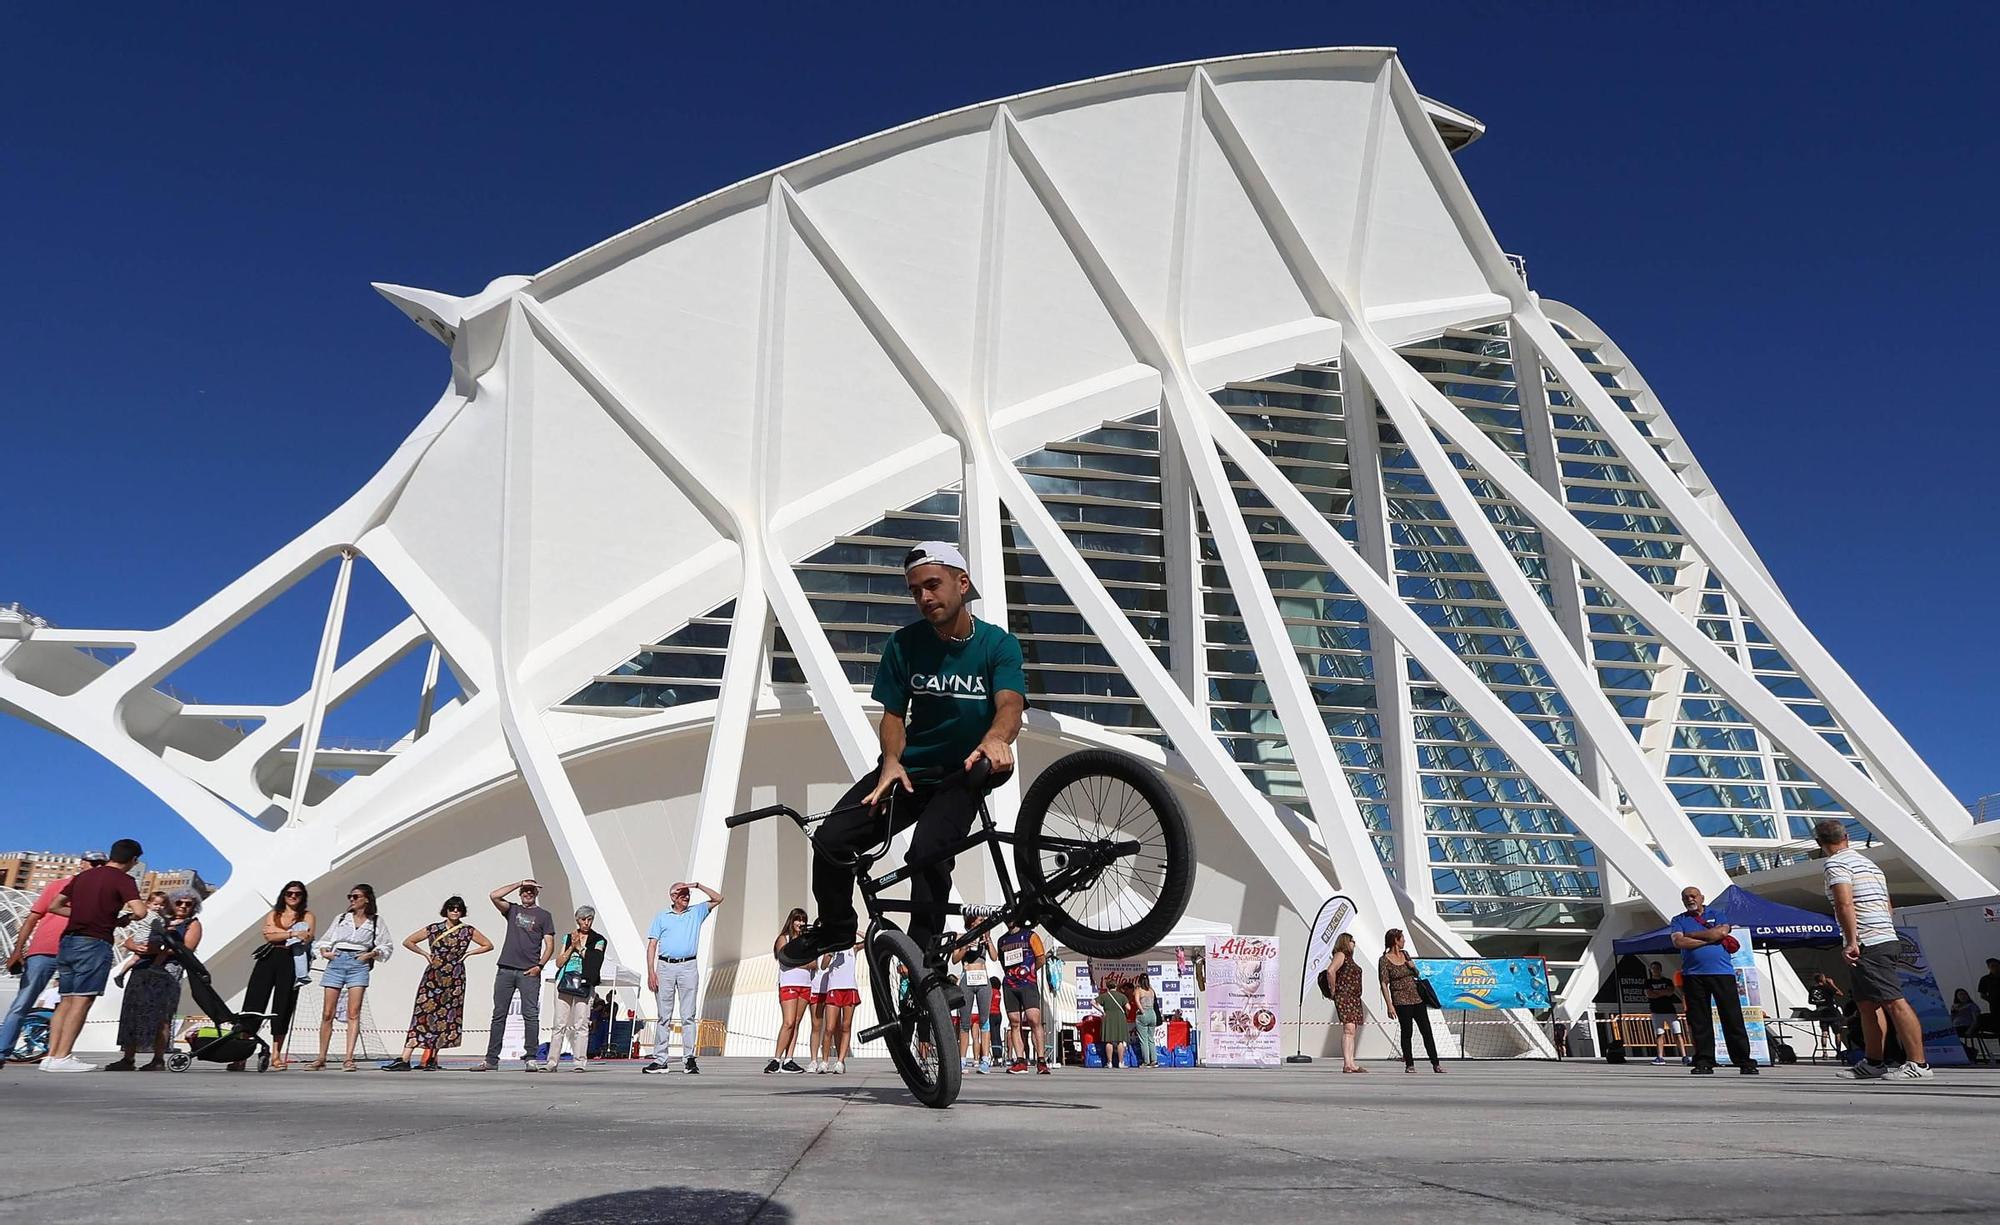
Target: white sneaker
x=1909 y=1071
x=532 y=1065
x=68 y=1063
x=581 y=1065
x=840 y=1067
x=815 y=1067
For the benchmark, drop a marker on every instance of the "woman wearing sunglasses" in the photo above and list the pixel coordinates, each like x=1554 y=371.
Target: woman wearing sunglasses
x=579 y=968
x=437 y=1021
x=352 y=947
x=154 y=992
x=277 y=970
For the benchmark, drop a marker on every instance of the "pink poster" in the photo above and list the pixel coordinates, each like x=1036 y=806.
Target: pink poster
x=1244 y=1003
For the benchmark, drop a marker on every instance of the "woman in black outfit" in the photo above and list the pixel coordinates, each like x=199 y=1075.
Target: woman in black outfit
x=274 y=975
x=1398 y=972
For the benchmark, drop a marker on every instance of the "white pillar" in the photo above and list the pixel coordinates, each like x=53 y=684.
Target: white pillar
x=329 y=649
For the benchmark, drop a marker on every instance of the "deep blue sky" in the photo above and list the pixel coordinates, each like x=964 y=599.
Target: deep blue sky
x=1784 y=215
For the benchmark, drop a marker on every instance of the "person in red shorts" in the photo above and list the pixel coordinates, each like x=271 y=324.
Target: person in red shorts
x=843 y=995
x=794 y=997
x=822 y=1055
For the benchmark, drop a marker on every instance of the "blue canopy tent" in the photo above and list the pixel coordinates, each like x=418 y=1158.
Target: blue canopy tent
x=1773 y=925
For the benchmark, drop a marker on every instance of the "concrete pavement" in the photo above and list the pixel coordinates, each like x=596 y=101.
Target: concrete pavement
x=1485 y=1142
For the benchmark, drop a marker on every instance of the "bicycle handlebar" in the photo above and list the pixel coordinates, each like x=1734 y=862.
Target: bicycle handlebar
x=758 y=814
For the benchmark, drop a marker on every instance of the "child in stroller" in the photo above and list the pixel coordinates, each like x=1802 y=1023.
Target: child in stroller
x=229 y=1037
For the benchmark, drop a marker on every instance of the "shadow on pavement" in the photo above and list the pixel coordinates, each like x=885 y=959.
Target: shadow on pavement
x=887 y=1096
x=667 y=1206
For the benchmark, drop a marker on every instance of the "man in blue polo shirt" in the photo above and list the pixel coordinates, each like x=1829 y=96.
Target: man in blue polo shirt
x=953 y=689
x=1707 y=975
x=671 y=945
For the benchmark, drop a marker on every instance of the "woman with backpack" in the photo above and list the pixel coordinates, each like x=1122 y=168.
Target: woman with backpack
x=1341 y=983
x=580 y=967
x=1147 y=1021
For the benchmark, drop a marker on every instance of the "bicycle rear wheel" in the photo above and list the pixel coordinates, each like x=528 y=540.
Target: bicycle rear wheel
x=924 y=1046
x=1105 y=845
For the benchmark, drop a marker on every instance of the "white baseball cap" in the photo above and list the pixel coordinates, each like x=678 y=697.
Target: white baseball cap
x=939 y=553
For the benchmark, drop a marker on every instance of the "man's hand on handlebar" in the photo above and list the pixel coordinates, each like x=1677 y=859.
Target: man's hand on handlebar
x=891 y=775
x=997 y=753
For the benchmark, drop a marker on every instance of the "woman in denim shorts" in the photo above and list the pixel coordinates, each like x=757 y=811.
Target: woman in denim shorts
x=352 y=947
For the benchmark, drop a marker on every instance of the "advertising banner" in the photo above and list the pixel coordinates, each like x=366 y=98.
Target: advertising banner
x=1335 y=916
x=1244 y=1002
x=1091 y=975
x=1486 y=983
x=1941 y=1041
x=1750 y=993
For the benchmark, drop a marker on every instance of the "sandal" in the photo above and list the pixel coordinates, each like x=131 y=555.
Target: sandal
x=317 y=1065
x=349 y=1066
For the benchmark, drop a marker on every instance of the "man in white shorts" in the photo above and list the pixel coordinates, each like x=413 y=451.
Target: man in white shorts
x=1860 y=896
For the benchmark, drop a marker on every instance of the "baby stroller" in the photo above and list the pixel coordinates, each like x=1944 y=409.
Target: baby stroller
x=229 y=1037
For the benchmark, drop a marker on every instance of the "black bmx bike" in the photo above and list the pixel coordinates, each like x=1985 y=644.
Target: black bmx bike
x=1105 y=862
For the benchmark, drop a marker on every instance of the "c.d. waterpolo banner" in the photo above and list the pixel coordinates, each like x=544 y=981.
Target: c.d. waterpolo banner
x=1488 y=983
x=1243 y=1003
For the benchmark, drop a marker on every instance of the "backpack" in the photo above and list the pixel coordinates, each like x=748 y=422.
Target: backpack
x=1325 y=984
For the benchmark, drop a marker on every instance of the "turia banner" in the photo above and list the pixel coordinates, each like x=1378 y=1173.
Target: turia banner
x=1487 y=983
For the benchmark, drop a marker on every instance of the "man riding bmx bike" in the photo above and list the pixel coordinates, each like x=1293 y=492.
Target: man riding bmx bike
x=952 y=689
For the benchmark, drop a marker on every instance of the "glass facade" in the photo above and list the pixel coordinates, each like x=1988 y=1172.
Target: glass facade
x=1507 y=868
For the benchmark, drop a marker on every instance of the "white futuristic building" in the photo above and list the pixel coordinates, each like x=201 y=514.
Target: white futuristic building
x=1287 y=481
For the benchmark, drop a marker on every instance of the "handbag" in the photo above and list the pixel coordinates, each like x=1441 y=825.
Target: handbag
x=1427 y=995
x=570 y=982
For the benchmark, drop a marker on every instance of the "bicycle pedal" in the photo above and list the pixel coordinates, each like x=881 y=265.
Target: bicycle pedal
x=875 y=1033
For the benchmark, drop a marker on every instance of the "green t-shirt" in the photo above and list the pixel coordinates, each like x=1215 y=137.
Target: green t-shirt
x=946 y=690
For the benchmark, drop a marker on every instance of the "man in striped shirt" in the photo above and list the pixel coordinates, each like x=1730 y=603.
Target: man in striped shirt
x=1860 y=897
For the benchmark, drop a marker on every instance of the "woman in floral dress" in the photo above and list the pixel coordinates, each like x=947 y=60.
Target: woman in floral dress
x=438 y=1019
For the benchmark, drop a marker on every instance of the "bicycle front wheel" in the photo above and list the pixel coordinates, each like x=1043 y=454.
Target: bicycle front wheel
x=923 y=1045
x=1105 y=845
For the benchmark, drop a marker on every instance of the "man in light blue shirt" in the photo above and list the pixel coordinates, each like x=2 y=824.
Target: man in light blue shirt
x=671 y=945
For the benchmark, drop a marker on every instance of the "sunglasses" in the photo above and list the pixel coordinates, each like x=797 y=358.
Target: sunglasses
x=357 y=897
x=295 y=893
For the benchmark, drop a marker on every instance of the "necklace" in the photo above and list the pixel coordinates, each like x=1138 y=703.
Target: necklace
x=968 y=634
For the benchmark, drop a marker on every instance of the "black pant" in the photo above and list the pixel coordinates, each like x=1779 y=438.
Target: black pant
x=1700 y=989
x=274 y=982
x=942 y=815
x=1419 y=1016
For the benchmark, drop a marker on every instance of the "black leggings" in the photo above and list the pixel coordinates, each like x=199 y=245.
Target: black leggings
x=1420 y=1016
x=942 y=815
x=273 y=982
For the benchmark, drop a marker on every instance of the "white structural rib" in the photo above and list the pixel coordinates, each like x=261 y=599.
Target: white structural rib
x=1365 y=352
x=1302 y=883
x=568 y=826
x=1929 y=855
x=1393 y=715
x=1878 y=737
x=1342 y=833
